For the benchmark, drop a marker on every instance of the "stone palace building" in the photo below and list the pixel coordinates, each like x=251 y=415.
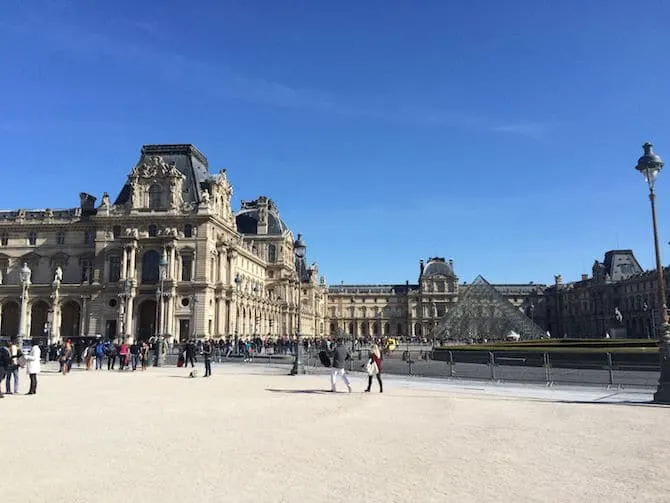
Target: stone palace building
x=412 y=309
x=167 y=256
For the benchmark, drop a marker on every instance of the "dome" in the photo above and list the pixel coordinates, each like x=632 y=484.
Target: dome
x=248 y=217
x=437 y=266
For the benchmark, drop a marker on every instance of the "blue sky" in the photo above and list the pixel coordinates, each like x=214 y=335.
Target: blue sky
x=500 y=134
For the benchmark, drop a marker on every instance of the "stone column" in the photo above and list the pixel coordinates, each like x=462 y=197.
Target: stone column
x=83 y=316
x=129 y=328
x=124 y=263
x=173 y=264
x=133 y=253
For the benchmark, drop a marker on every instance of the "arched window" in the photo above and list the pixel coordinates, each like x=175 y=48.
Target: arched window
x=188 y=231
x=272 y=253
x=155 y=197
x=150 y=262
x=153 y=231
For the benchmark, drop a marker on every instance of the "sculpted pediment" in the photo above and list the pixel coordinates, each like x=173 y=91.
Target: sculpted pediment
x=155 y=167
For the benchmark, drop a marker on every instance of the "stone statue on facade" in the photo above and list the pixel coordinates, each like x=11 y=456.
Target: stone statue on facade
x=204 y=197
x=58 y=276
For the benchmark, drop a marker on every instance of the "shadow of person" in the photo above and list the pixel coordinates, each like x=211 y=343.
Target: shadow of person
x=299 y=391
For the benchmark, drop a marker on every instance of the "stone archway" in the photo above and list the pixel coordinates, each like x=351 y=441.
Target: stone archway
x=70 y=319
x=39 y=316
x=146 y=324
x=10 y=319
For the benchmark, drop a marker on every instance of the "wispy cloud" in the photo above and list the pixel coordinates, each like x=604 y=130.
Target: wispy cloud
x=221 y=81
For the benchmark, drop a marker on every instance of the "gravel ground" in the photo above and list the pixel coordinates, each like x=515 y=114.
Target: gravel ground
x=250 y=434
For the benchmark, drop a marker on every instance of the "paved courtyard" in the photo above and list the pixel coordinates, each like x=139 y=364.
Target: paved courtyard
x=252 y=434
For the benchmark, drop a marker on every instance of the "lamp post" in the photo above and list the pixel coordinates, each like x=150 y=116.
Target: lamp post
x=24 y=276
x=125 y=295
x=162 y=270
x=650 y=165
x=299 y=249
x=238 y=282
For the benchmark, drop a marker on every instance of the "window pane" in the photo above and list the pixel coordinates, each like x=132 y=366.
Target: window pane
x=114 y=268
x=155 y=197
x=116 y=231
x=150 y=262
x=186 y=267
x=153 y=231
x=188 y=231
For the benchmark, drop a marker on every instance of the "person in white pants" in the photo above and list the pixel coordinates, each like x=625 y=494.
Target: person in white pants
x=340 y=355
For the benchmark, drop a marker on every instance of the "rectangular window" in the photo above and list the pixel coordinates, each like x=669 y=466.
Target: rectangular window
x=116 y=231
x=32 y=238
x=114 y=269
x=4 y=239
x=86 y=271
x=186 y=267
x=60 y=238
x=89 y=239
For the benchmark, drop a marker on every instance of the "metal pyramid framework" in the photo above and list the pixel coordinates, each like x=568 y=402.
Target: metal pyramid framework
x=483 y=313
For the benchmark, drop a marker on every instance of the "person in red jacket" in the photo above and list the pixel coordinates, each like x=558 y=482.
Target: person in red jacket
x=374 y=367
x=124 y=351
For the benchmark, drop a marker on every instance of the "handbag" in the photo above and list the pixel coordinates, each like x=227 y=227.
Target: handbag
x=371 y=368
x=21 y=361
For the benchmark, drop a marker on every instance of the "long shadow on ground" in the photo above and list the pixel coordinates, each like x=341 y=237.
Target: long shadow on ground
x=299 y=391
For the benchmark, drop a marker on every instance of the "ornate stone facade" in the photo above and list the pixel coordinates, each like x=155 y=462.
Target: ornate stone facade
x=96 y=270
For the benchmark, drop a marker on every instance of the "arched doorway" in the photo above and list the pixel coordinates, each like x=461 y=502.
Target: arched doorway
x=39 y=315
x=146 y=326
x=351 y=330
x=10 y=319
x=387 y=329
x=70 y=318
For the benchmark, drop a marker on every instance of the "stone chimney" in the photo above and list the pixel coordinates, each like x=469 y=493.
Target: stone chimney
x=585 y=277
x=558 y=279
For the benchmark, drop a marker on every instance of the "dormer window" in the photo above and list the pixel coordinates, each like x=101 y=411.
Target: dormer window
x=188 y=231
x=155 y=197
x=32 y=238
x=153 y=231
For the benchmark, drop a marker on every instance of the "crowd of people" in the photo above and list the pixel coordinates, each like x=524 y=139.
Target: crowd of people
x=139 y=355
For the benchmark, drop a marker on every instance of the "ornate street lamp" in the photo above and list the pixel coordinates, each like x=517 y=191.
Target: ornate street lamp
x=162 y=273
x=24 y=276
x=299 y=249
x=650 y=165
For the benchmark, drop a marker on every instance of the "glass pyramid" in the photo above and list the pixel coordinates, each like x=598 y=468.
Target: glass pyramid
x=483 y=313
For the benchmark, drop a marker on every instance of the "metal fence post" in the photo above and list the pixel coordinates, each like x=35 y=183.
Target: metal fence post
x=610 y=370
x=451 y=364
x=547 y=370
x=492 y=365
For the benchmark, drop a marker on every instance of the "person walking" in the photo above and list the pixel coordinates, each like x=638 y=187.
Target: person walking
x=374 y=368
x=33 y=367
x=124 y=351
x=66 y=357
x=340 y=355
x=207 y=355
x=111 y=351
x=189 y=354
x=144 y=355
x=5 y=361
x=99 y=355
x=134 y=355
x=14 y=354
